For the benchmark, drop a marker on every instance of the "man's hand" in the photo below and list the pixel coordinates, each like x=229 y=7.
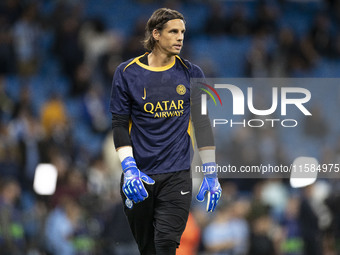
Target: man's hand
x=211 y=185
x=133 y=186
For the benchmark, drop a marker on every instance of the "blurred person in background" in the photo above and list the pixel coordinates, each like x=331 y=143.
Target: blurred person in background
x=67 y=46
x=238 y=24
x=133 y=47
x=117 y=238
x=6 y=102
x=280 y=58
x=316 y=127
x=7 y=65
x=57 y=125
x=97 y=40
x=257 y=60
x=12 y=233
x=262 y=234
x=314 y=218
x=54 y=116
x=292 y=243
x=228 y=232
x=321 y=34
x=216 y=22
x=265 y=234
x=72 y=185
x=9 y=153
x=100 y=181
x=66 y=232
x=95 y=109
x=26 y=38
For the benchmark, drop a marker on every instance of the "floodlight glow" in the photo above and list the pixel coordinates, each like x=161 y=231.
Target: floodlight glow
x=45 y=179
x=303 y=172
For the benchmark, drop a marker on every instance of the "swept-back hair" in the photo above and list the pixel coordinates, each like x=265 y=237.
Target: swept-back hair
x=157 y=21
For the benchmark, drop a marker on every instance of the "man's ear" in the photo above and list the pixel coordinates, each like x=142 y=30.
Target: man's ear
x=156 y=34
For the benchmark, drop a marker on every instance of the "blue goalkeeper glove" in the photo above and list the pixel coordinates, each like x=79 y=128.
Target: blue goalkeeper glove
x=211 y=186
x=133 y=186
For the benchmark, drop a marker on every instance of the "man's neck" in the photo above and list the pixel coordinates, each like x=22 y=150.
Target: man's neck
x=159 y=59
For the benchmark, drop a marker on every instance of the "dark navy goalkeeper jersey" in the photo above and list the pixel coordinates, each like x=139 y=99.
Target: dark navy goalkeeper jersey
x=158 y=102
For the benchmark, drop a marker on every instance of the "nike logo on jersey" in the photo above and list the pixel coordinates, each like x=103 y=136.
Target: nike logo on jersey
x=184 y=192
x=144 y=97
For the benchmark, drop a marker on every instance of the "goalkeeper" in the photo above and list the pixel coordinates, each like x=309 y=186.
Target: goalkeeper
x=150 y=105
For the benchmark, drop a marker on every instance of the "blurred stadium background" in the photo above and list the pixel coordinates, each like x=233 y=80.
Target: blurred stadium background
x=57 y=59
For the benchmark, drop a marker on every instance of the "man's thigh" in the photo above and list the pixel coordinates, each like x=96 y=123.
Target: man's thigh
x=172 y=205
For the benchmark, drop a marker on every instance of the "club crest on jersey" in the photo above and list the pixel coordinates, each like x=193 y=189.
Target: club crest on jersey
x=180 y=89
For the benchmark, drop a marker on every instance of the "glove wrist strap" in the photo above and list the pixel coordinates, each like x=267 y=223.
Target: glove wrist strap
x=209 y=170
x=127 y=163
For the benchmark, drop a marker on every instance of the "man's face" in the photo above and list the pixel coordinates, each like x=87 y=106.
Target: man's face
x=170 y=39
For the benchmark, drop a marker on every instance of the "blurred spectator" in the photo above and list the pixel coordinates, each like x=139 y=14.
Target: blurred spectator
x=6 y=102
x=66 y=232
x=81 y=80
x=292 y=243
x=218 y=236
x=100 y=180
x=96 y=109
x=7 y=65
x=243 y=150
x=265 y=234
x=216 y=23
x=67 y=45
x=321 y=35
x=9 y=153
x=228 y=231
x=281 y=56
x=333 y=203
x=336 y=46
x=266 y=19
x=26 y=36
x=304 y=58
x=117 y=237
x=269 y=141
x=190 y=239
x=72 y=186
x=108 y=65
x=240 y=210
x=28 y=132
x=97 y=41
x=24 y=102
x=34 y=218
x=208 y=66
x=275 y=194
x=238 y=25
x=12 y=235
x=54 y=116
x=257 y=61
x=316 y=125
x=111 y=158
x=133 y=46
x=309 y=224
x=261 y=240
x=11 y=10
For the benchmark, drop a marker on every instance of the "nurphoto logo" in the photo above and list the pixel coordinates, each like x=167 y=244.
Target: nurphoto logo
x=243 y=103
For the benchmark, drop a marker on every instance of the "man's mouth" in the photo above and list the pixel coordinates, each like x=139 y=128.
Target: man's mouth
x=178 y=46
